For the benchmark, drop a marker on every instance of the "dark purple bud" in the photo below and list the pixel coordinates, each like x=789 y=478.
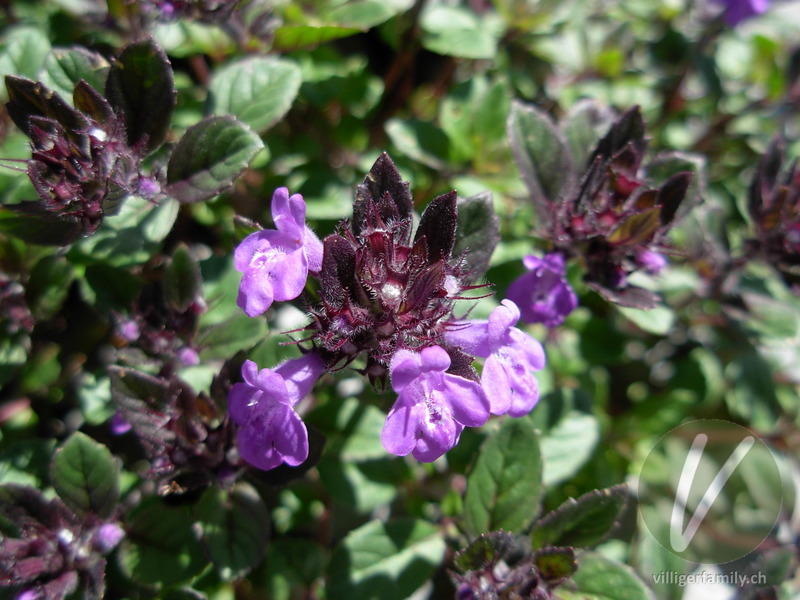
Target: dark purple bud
x=383 y=178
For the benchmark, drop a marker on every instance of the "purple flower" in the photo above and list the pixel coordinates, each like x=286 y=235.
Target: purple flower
x=511 y=358
x=543 y=295
x=276 y=262
x=188 y=357
x=737 y=11
x=271 y=432
x=432 y=406
x=652 y=262
x=119 y=425
x=107 y=537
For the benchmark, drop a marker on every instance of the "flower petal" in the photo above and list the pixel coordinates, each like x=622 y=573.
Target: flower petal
x=405 y=368
x=288 y=211
x=289 y=276
x=292 y=441
x=313 y=249
x=240 y=400
x=300 y=375
x=435 y=441
x=494 y=380
x=399 y=433
x=467 y=400
x=434 y=358
x=471 y=336
x=255 y=292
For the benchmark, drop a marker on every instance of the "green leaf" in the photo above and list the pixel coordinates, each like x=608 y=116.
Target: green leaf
x=385 y=561
x=182 y=282
x=478 y=233
x=30 y=222
x=600 y=578
x=209 y=158
x=132 y=235
x=234 y=529
x=65 y=67
x=568 y=445
x=140 y=87
x=505 y=485
x=293 y=564
x=160 y=547
x=420 y=140
x=488 y=548
x=542 y=155
x=48 y=286
x=221 y=340
x=752 y=395
x=365 y=14
x=458 y=31
x=581 y=522
x=658 y=320
x=23 y=50
x=294 y=37
x=555 y=564
x=259 y=91
x=86 y=476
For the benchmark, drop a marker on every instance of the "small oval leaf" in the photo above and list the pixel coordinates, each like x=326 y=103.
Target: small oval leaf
x=86 y=476
x=259 y=91
x=141 y=89
x=209 y=158
x=505 y=485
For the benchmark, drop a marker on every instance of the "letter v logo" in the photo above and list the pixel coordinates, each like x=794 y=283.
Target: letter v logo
x=678 y=537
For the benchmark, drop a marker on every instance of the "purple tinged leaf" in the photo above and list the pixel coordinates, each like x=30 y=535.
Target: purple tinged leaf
x=182 y=280
x=438 y=227
x=477 y=234
x=90 y=101
x=141 y=90
x=32 y=222
x=671 y=194
x=631 y=296
x=628 y=129
x=29 y=98
x=543 y=157
x=209 y=157
x=337 y=276
x=636 y=229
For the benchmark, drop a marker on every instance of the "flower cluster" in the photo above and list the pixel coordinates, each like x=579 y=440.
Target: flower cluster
x=162 y=324
x=54 y=552
x=610 y=218
x=81 y=163
x=774 y=205
x=187 y=437
x=386 y=300
x=498 y=565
